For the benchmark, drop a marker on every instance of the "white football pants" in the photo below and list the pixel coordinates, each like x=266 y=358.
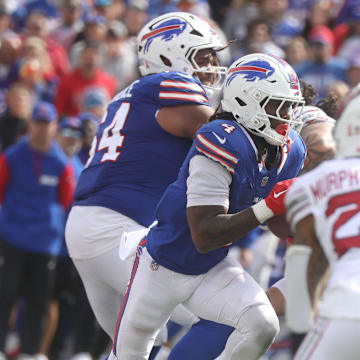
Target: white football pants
x=226 y=294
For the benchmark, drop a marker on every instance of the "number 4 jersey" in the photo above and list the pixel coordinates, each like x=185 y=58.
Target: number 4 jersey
x=331 y=193
x=132 y=159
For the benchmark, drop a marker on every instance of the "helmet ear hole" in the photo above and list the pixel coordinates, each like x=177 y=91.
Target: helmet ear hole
x=240 y=102
x=165 y=60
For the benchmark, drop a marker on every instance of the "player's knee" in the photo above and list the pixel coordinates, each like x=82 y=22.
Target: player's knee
x=262 y=324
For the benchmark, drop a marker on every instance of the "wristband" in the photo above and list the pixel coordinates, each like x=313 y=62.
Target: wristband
x=262 y=212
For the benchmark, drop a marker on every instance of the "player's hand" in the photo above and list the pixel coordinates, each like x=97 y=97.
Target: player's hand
x=275 y=201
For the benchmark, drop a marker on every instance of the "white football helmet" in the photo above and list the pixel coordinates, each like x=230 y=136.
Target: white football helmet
x=170 y=42
x=254 y=80
x=347 y=128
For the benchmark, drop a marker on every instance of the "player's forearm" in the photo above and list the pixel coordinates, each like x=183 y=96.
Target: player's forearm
x=317 y=269
x=219 y=230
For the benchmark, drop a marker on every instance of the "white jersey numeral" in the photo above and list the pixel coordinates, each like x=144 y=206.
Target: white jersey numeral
x=111 y=139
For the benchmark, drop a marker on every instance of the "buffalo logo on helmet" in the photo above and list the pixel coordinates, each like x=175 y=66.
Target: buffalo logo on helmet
x=167 y=30
x=252 y=70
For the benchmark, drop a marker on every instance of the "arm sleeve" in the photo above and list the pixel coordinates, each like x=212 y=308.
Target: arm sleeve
x=208 y=183
x=4 y=176
x=67 y=186
x=298 y=203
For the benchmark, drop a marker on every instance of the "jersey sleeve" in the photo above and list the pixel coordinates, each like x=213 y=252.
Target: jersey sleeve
x=181 y=89
x=298 y=203
x=215 y=146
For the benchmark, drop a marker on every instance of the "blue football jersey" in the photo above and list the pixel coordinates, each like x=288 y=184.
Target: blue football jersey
x=132 y=159
x=169 y=242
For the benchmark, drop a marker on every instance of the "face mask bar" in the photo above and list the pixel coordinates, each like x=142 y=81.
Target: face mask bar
x=294 y=123
x=218 y=70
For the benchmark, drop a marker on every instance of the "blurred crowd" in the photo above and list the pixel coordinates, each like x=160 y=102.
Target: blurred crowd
x=61 y=61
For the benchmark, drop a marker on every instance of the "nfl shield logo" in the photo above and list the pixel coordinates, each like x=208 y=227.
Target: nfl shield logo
x=154 y=265
x=264 y=180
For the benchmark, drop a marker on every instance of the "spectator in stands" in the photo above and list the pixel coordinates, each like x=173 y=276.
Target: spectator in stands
x=319 y=13
x=323 y=69
x=36 y=187
x=258 y=39
x=351 y=43
x=95 y=28
x=70 y=137
x=297 y=51
x=89 y=74
x=35 y=70
x=136 y=16
x=70 y=23
x=160 y=7
x=90 y=124
x=95 y=102
x=347 y=18
x=10 y=45
x=37 y=25
x=237 y=17
x=5 y=21
x=104 y=8
x=120 y=58
x=353 y=73
x=48 y=8
x=197 y=7
x=284 y=25
x=15 y=121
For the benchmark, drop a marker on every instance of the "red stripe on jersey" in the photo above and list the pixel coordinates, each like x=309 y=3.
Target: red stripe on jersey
x=182 y=96
x=214 y=157
x=218 y=150
x=177 y=84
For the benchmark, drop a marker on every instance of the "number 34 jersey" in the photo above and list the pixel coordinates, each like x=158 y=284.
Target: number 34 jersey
x=132 y=159
x=331 y=193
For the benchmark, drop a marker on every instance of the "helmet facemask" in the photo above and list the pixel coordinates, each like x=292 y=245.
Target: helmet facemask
x=283 y=117
x=206 y=67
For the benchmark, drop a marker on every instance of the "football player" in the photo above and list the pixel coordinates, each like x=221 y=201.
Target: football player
x=140 y=145
x=234 y=178
x=323 y=209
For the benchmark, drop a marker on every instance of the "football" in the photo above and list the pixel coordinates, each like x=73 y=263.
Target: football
x=279 y=226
